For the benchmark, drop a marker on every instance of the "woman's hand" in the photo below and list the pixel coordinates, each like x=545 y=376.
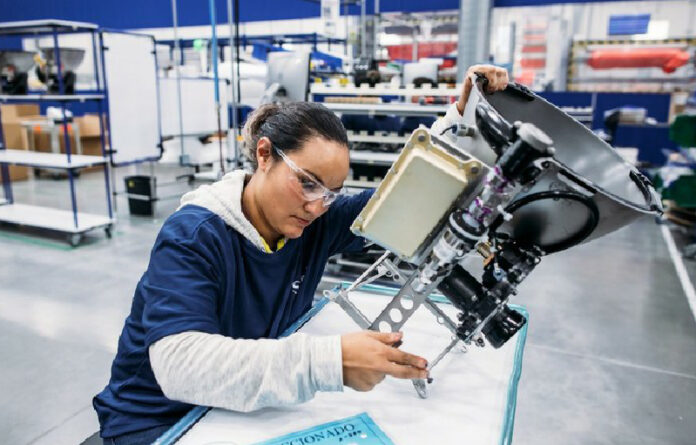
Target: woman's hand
x=368 y=356
x=497 y=81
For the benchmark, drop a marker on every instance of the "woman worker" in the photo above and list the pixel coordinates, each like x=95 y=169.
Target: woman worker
x=235 y=266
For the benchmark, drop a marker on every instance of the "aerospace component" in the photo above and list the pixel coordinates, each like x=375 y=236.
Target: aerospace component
x=70 y=59
x=587 y=189
x=524 y=180
x=408 y=194
x=14 y=66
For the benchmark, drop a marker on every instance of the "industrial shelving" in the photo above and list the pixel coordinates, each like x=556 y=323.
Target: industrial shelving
x=581 y=114
x=50 y=97
x=70 y=222
x=382 y=89
x=378 y=137
x=388 y=109
x=377 y=158
x=400 y=104
x=371 y=157
x=49 y=160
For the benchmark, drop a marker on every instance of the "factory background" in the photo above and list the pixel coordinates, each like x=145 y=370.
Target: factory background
x=111 y=111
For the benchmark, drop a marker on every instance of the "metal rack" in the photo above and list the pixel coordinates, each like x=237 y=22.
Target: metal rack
x=581 y=114
x=400 y=109
x=244 y=40
x=382 y=89
x=380 y=159
x=379 y=137
x=71 y=222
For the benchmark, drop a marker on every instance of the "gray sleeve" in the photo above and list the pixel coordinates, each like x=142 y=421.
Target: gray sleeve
x=448 y=125
x=245 y=375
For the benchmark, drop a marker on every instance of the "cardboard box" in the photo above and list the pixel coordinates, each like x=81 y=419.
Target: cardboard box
x=90 y=134
x=89 y=125
x=15 y=137
x=16 y=111
x=42 y=141
x=89 y=137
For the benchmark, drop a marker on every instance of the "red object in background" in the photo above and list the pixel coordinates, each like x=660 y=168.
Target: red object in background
x=526 y=77
x=534 y=49
x=669 y=59
x=533 y=63
x=539 y=39
x=426 y=49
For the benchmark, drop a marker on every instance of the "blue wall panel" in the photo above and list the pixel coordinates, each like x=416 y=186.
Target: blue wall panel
x=651 y=141
x=657 y=105
x=133 y=14
x=568 y=98
x=628 y=24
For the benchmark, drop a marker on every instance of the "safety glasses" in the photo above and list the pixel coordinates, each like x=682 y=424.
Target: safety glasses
x=311 y=188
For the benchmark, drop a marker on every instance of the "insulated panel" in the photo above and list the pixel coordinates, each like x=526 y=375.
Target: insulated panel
x=419 y=190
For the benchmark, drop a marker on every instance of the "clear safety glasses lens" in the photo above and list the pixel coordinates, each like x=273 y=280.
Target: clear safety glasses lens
x=311 y=189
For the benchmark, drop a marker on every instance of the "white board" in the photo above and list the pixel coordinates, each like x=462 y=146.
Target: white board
x=197 y=106
x=131 y=78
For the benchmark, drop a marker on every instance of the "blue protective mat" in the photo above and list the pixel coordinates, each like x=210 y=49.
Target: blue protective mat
x=360 y=429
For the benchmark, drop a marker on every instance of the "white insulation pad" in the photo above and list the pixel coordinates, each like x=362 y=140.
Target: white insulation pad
x=472 y=394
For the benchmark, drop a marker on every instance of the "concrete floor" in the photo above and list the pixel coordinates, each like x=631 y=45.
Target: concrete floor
x=610 y=357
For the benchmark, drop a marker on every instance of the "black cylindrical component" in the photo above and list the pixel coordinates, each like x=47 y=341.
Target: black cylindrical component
x=517 y=159
x=461 y=288
x=503 y=326
x=463 y=229
x=531 y=144
x=492 y=127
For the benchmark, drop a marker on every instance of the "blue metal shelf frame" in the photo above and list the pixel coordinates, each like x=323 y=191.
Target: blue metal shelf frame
x=270 y=39
x=53 y=29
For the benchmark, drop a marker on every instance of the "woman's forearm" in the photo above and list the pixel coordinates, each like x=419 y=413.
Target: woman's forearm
x=245 y=375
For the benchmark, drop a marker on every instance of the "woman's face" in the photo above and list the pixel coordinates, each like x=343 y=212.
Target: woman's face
x=281 y=199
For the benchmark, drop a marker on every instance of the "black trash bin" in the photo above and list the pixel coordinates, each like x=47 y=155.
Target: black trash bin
x=140 y=190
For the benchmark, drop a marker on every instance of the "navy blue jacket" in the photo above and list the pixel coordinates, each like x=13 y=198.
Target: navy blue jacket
x=205 y=276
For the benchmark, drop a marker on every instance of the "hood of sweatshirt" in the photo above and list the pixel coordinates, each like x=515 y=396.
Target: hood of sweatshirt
x=224 y=198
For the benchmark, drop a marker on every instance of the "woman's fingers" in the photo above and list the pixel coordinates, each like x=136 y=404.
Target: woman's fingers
x=405 y=371
x=404 y=358
x=497 y=77
x=403 y=365
x=388 y=338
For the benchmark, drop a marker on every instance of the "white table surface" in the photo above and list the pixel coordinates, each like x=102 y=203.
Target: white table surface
x=472 y=398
